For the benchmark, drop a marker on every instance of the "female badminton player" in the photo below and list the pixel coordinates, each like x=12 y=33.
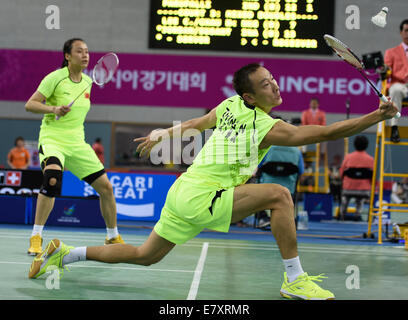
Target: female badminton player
x=213 y=193
x=62 y=142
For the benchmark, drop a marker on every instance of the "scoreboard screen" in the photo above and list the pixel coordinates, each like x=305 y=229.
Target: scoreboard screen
x=278 y=26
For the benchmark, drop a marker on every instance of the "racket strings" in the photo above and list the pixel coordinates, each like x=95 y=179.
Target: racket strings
x=348 y=56
x=105 y=68
x=343 y=52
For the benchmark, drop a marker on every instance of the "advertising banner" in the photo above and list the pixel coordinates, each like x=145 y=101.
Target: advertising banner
x=20 y=182
x=138 y=196
x=195 y=81
x=13 y=209
x=319 y=206
x=74 y=212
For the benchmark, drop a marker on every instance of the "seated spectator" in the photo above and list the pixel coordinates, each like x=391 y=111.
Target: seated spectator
x=18 y=157
x=356 y=179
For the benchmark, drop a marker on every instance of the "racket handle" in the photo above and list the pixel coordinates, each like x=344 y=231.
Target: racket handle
x=387 y=99
x=69 y=106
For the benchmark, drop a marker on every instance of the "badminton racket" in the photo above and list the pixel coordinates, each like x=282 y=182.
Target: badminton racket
x=351 y=58
x=102 y=73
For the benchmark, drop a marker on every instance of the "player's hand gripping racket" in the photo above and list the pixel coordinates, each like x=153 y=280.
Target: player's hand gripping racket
x=347 y=55
x=102 y=73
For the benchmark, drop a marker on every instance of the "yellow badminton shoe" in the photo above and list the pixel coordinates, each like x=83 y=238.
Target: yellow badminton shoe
x=49 y=259
x=117 y=239
x=305 y=288
x=35 y=245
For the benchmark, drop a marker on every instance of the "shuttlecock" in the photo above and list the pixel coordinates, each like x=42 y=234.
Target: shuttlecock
x=380 y=18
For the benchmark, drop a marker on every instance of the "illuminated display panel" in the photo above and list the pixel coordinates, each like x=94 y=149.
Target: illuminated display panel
x=281 y=26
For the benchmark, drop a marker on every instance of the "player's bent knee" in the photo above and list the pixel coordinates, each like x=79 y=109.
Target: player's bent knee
x=288 y=196
x=278 y=193
x=280 y=196
x=52 y=182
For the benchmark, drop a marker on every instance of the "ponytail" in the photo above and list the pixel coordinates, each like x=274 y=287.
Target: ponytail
x=64 y=63
x=67 y=49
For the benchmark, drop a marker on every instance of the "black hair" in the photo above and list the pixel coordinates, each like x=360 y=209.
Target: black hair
x=361 y=143
x=402 y=24
x=315 y=99
x=17 y=140
x=67 y=49
x=98 y=140
x=241 y=81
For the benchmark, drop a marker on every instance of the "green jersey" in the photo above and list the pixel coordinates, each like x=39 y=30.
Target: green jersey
x=231 y=154
x=59 y=90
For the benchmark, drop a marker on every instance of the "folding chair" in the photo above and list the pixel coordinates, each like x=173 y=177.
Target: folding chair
x=359 y=174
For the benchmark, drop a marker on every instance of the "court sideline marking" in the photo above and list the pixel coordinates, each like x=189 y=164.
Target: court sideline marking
x=106 y=267
x=192 y=294
x=272 y=247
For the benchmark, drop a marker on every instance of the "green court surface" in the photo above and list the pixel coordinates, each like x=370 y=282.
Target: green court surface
x=206 y=268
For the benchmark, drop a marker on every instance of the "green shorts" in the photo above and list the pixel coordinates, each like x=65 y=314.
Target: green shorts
x=190 y=208
x=80 y=159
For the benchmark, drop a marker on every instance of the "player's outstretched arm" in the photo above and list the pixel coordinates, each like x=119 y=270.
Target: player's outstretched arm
x=284 y=134
x=188 y=128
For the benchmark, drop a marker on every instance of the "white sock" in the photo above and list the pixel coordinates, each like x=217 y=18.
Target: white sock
x=293 y=268
x=112 y=233
x=37 y=229
x=75 y=255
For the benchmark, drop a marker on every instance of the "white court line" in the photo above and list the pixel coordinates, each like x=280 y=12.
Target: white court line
x=100 y=241
x=193 y=242
x=323 y=251
x=106 y=267
x=64 y=238
x=272 y=247
x=197 y=273
x=302 y=249
x=51 y=234
x=219 y=244
x=137 y=238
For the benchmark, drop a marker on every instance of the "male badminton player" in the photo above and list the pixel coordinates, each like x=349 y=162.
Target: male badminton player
x=62 y=142
x=213 y=193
